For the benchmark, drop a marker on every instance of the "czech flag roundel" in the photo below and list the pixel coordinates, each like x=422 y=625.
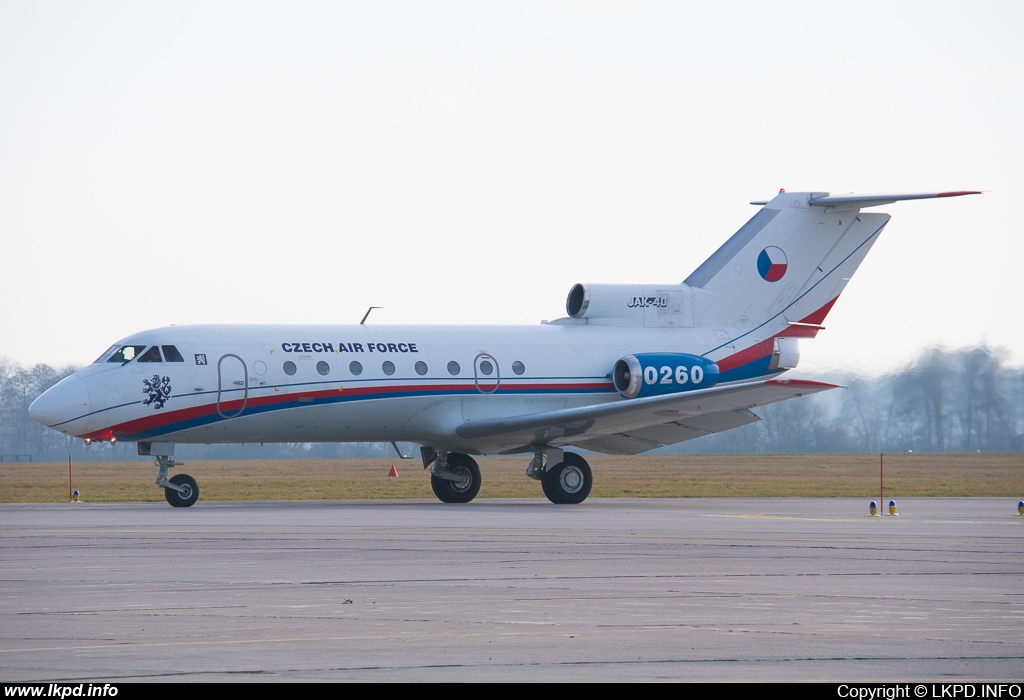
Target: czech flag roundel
x=772 y=263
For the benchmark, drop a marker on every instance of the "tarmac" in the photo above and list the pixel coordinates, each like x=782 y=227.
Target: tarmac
x=513 y=590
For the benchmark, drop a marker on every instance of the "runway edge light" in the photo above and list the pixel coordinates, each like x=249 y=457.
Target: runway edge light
x=1020 y=508
x=892 y=508
x=872 y=509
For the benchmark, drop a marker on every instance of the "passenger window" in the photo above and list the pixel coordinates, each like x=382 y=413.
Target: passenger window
x=421 y=368
x=171 y=353
x=289 y=368
x=388 y=367
x=151 y=355
x=355 y=368
x=323 y=368
x=127 y=353
x=518 y=367
x=486 y=367
x=453 y=368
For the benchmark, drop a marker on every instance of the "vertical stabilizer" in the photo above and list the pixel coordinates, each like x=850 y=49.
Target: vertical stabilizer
x=790 y=262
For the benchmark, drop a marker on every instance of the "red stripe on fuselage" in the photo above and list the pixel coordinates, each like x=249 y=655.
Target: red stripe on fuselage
x=752 y=354
x=766 y=347
x=162 y=419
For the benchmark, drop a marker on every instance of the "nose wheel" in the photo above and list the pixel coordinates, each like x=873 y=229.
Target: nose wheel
x=186 y=494
x=181 y=490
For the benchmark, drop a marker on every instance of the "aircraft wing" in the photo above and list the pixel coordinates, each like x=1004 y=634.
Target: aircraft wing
x=631 y=426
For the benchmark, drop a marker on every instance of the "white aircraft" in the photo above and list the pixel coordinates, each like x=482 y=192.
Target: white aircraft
x=632 y=367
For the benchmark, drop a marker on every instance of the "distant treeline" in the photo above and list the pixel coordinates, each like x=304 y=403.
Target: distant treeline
x=946 y=401
x=965 y=400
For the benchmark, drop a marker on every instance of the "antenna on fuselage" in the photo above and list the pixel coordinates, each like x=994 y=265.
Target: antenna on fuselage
x=367 y=314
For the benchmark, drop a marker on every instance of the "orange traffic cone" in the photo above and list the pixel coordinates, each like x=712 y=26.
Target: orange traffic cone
x=393 y=472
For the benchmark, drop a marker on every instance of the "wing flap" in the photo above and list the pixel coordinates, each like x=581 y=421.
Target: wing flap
x=644 y=439
x=630 y=426
x=621 y=444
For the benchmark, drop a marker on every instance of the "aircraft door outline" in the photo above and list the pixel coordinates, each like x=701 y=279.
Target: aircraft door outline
x=480 y=363
x=220 y=385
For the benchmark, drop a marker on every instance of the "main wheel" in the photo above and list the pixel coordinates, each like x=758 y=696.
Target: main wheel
x=186 y=497
x=569 y=481
x=466 y=488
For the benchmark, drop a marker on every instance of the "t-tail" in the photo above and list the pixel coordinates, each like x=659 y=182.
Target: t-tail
x=791 y=261
x=772 y=282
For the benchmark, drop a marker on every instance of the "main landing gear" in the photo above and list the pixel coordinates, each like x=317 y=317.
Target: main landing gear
x=565 y=477
x=181 y=490
x=569 y=481
x=455 y=477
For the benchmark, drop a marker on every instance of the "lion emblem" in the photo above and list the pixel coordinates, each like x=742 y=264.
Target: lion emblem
x=158 y=389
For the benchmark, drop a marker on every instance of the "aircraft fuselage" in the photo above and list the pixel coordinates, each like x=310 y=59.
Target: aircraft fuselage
x=360 y=383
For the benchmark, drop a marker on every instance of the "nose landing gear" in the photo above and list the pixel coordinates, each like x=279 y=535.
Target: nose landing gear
x=181 y=490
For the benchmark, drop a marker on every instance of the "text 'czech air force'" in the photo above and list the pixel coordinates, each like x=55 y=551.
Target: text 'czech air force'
x=349 y=347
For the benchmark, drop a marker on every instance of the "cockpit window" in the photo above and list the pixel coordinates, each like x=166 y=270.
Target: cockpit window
x=127 y=353
x=151 y=355
x=171 y=354
x=106 y=352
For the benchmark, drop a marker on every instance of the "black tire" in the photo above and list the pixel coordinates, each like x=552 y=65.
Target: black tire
x=188 y=497
x=569 y=481
x=458 y=491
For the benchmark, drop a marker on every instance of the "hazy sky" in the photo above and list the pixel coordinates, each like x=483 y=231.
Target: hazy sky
x=467 y=162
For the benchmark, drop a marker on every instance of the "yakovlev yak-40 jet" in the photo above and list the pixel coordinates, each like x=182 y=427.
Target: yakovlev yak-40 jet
x=633 y=366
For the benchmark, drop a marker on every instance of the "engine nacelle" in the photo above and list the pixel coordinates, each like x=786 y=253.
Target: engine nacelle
x=652 y=374
x=652 y=305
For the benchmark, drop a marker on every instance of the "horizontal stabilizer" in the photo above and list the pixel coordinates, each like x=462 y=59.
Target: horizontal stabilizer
x=635 y=425
x=874 y=200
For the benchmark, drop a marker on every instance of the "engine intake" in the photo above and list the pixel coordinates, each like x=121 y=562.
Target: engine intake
x=654 y=374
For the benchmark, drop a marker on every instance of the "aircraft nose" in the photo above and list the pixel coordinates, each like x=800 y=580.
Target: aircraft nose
x=64 y=401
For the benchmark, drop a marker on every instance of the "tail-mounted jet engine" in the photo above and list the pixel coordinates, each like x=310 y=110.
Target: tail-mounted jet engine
x=652 y=374
x=651 y=305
